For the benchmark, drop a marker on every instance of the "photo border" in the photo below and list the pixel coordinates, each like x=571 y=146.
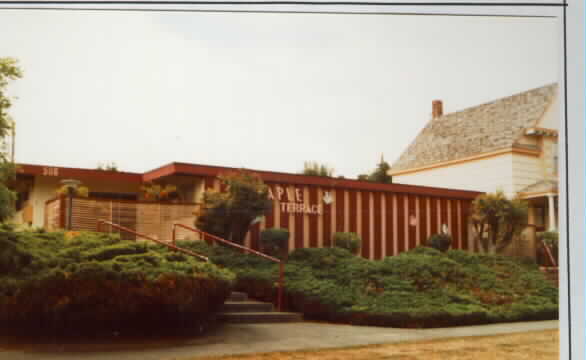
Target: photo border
x=572 y=129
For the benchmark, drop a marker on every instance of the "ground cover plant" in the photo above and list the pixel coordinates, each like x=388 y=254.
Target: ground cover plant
x=419 y=288
x=347 y=240
x=274 y=242
x=75 y=283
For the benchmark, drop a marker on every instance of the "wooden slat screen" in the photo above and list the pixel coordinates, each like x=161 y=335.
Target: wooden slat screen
x=152 y=219
x=53 y=215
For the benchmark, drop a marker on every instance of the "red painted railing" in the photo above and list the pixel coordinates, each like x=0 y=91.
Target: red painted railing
x=243 y=248
x=549 y=254
x=170 y=246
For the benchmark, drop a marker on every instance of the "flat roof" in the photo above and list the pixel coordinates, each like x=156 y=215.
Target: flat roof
x=185 y=169
x=77 y=173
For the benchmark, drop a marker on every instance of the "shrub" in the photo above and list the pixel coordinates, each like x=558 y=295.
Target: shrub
x=441 y=242
x=419 y=288
x=348 y=240
x=549 y=238
x=229 y=214
x=81 y=191
x=275 y=241
x=7 y=199
x=501 y=218
x=91 y=283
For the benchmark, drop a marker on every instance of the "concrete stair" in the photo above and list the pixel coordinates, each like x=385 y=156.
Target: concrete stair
x=239 y=309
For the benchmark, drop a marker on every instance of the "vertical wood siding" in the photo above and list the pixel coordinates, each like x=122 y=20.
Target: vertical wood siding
x=327 y=222
x=377 y=214
x=388 y=223
x=364 y=217
x=400 y=225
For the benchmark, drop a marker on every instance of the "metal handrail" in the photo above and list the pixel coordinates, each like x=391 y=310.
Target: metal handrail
x=549 y=254
x=170 y=246
x=246 y=249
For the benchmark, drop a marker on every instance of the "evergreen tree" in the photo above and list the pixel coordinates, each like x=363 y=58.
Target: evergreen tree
x=9 y=70
x=380 y=174
x=313 y=168
x=230 y=214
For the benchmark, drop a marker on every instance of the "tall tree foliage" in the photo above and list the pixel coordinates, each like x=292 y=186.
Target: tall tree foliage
x=313 y=168
x=230 y=213
x=380 y=174
x=9 y=70
x=497 y=220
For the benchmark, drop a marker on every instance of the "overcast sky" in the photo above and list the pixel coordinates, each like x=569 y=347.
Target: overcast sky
x=261 y=91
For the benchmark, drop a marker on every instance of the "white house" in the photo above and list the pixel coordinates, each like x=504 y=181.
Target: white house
x=509 y=144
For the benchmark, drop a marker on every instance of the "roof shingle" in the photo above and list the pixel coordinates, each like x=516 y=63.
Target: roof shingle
x=481 y=129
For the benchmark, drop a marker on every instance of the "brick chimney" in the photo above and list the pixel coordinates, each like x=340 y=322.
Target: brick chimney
x=437 y=109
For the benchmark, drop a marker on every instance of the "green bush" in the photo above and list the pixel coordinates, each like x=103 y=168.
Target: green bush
x=440 y=242
x=348 y=240
x=423 y=287
x=7 y=199
x=550 y=238
x=275 y=241
x=97 y=283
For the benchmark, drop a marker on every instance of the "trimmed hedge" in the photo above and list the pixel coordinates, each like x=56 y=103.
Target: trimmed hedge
x=419 y=288
x=348 y=240
x=440 y=242
x=92 y=283
x=275 y=242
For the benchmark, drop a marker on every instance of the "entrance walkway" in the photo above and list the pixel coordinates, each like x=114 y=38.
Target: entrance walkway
x=252 y=338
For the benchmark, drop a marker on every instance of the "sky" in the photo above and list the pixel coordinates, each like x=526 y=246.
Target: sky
x=265 y=91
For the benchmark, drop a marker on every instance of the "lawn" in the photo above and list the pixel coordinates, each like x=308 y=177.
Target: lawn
x=538 y=345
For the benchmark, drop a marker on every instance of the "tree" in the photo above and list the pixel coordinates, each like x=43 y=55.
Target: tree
x=229 y=214
x=380 y=174
x=312 y=168
x=111 y=166
x=497 y=220
x=9 y=70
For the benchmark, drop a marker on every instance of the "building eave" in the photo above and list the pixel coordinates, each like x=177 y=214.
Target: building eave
x=184 y=169
x=77 y=173
x=508 y=150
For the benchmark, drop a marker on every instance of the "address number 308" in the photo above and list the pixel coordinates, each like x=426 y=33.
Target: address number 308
x=50 y=171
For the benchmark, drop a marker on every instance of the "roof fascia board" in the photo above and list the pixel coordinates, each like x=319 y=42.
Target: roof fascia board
x=67 y=172
x=318 y=181
x=508 y=150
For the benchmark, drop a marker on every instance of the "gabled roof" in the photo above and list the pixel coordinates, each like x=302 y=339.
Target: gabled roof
x=481 y=129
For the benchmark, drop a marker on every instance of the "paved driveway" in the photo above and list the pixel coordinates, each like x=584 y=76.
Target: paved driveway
x=250 y=338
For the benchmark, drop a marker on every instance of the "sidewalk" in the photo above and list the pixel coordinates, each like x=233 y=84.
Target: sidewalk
x=254 y=338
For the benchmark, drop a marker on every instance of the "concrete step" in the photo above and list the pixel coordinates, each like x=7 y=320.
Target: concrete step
x=259 y=317
x=246 y=306
x=237 y=296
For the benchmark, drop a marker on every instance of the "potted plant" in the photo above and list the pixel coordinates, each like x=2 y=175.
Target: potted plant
x=156 y=192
